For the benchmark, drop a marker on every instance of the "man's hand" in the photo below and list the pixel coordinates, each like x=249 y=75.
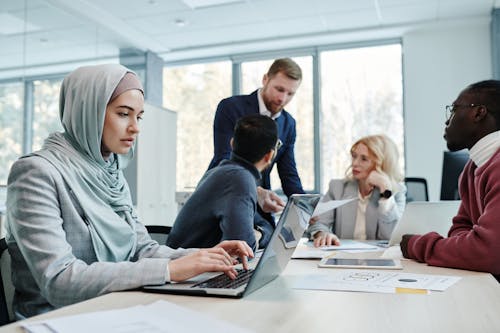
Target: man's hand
x=269 y=201
x=313 y=220
x=404 y=245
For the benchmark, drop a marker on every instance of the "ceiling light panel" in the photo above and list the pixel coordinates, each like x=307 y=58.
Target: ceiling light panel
x=195 y=4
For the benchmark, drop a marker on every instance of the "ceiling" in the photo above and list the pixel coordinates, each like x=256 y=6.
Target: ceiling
x=38 y=33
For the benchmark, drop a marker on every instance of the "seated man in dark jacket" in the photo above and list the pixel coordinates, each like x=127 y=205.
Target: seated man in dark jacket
x=224 y=203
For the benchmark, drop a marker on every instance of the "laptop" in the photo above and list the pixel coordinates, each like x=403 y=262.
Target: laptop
x=269 y=265
x=421 y=217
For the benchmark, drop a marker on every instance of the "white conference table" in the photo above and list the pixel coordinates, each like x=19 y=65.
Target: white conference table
x=470 y=305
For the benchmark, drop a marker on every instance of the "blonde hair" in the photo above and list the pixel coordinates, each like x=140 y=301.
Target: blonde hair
x=384 y=153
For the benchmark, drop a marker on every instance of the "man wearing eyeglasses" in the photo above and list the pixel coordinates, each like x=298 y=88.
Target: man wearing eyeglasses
x=224 y=203
x=279 y=85
x=473 y=243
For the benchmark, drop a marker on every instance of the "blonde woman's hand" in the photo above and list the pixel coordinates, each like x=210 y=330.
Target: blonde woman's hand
x=322 y=238
x=379 y=180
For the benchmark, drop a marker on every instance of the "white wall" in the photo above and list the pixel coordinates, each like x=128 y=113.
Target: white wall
x=438 y=62
x=156 y=153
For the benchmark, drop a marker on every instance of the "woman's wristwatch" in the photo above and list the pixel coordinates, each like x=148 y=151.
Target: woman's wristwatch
x=386 y=194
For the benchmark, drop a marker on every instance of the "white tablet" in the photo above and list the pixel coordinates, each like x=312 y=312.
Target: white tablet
x=376 y=263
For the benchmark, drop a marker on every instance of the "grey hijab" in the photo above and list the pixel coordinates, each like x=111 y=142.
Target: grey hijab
x=97 y=185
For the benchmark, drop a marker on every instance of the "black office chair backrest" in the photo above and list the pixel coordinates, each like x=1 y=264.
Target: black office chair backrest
x=453 y=165
x=416 y=189
x=4 y=310
x=159 y=233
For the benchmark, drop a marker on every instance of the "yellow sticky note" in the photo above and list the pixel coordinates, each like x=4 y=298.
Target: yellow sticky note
x=411 y=291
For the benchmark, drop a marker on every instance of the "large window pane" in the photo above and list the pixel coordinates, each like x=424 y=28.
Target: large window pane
x=194 y=92
x=300 y=107
x=11 y=126
x=361 y=94
x=46 y=110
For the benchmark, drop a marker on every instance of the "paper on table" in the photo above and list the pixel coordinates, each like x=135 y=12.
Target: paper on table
x=306 y=249
x=348 y=244
x=158 y=317
x=323 y=207
x=375 y=281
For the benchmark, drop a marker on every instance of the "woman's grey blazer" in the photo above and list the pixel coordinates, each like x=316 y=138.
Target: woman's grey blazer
x=341 y=221
x=53 y=261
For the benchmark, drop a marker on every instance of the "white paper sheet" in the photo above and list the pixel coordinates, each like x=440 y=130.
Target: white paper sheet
x=347 y=244
x=323 y=207
x=306 y=249
x=158 y=317
x=374 y=281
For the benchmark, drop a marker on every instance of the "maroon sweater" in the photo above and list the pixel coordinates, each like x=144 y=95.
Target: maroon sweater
x=473 y=241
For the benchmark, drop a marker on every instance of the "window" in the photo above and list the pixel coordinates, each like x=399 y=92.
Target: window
x=46 y=110
x=361 y=94
x=300 y=107
x=11 y=126
x=194 y=91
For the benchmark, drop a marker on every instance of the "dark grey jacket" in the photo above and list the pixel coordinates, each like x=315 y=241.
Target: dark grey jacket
x=221 y=208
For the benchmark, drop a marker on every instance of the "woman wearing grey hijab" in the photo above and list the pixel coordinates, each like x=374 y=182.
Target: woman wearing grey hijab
x=71 y=229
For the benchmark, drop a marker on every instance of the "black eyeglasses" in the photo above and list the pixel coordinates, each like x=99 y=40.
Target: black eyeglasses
x=450 y=109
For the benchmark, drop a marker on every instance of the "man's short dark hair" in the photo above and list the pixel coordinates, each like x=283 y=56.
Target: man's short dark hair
x=488 y=94
x=254 y=137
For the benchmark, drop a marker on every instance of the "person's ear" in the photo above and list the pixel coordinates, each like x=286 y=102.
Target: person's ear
x=268 y=158
x=480 y=113
x=265 y=78
x=231 y=142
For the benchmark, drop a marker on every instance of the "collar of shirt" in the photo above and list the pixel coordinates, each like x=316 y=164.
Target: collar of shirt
x=244 y=163
x=481 y=152
x=262 y=107
x=363 y=199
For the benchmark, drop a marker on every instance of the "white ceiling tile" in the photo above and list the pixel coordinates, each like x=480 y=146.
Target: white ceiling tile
x=464 y=8
x=358 y=20
x=140 y=8
x=14 y=6
x=67 y=33
x=415 y=12
x=341 y=6
x=10 y=24
x=223 y=35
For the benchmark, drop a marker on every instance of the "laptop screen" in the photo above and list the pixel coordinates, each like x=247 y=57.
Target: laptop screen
x=289 y=230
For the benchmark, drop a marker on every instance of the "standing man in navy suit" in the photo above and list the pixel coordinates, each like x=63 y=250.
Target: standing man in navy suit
x=279 y=85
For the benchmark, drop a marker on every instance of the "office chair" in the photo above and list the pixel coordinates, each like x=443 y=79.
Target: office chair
x=6 y=286
x=159 y=233
x=416 y=189
x=453 y=165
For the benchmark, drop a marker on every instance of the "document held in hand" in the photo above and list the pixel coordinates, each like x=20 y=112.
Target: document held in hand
x=323 y=207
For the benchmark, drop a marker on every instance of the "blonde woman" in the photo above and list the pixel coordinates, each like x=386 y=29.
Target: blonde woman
x=374 y=178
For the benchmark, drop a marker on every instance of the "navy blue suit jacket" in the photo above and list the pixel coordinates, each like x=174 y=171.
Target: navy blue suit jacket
x=233 y=108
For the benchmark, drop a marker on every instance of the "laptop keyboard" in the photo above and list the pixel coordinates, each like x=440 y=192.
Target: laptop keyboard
x=225 y=282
